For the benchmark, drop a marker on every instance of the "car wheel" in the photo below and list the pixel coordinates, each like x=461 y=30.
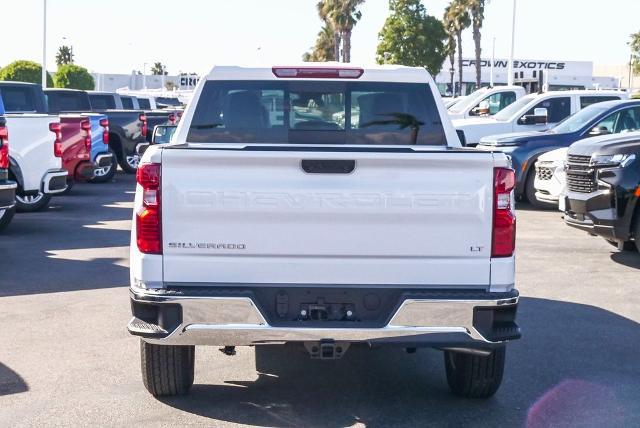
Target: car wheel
x=103 y=175
x=530 y=191
x=6 y=216
x=31 y=203
x=129 y=162
x=636 y=231
x=474 y=376
x=167 y=369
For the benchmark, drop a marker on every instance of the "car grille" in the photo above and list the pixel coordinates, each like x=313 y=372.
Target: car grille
x=544 y=173
x=580 y=175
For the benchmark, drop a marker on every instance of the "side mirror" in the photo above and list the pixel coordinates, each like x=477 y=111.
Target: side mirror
x=483 y=108
x=162 y=134
x=541 y=115
x=599 y=130
x=141 y=148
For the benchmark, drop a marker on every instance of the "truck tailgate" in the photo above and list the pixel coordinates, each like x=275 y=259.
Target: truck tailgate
x=254 y=216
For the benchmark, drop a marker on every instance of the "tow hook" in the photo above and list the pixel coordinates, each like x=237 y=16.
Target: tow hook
x=326 y=349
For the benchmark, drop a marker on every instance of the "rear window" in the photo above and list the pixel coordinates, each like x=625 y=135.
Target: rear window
x=68 y=102
x=18 y=99
x=127 y=103
x=144 y=103
x=588 y=100
x=316 y=112
x=102 y=102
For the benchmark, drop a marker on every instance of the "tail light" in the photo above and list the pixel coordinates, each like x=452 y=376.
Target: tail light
x=148 y=217
x=145 y=127
x=317 y=72
x=56 y=128
x=4 y=147
x=504 y=219
x=105 y=133
x=86 y=127
x=172 y=119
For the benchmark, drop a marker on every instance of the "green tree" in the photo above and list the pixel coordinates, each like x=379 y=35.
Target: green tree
x=411 y=37
x=450 y=45
x=24 y=71
x=635 y=52
x=74 y=77
x=323 y=50
x=341 y=16
x=159 y=69
x=458 y=18
x=64 y=55
x=476 y=7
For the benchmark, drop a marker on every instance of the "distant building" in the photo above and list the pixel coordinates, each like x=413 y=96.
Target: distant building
x=555 y=75
x=622 y=71
x=135 y=81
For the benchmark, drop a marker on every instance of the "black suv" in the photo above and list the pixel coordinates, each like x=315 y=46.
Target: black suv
x=603 y=188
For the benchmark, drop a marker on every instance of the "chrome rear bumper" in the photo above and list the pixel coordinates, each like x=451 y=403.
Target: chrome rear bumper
x=237 y=321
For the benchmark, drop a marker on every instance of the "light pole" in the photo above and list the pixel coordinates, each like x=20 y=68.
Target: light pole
x=513 y=36
x=44 y=43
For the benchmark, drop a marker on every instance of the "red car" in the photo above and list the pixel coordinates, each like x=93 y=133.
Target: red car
x=75 y=147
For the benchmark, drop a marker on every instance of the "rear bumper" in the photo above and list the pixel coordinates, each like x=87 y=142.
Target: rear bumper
x=55 y=181
x=104 y=160
x=7 y=194
x=439 y=319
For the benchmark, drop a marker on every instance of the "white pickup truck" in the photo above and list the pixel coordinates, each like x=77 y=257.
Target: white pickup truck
x=35 y=150
x=254 y=229
x=486 y=102
x=533 y=112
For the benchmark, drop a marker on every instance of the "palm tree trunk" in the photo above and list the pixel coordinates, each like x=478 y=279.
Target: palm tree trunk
x=476 y=40
x=459 y=36
x=336 y=46
x=452 y=59
x=346 y=45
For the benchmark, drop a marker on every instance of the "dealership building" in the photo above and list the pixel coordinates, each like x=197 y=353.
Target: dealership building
x=553 y=74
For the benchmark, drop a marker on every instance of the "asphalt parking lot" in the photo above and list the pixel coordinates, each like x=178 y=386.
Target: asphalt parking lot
x=66 y=358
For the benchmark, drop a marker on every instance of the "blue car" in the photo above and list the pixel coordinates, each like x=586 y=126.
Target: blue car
x=524 y=148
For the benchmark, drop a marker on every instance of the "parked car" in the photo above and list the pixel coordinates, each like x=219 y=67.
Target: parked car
x=266 y=231
x=155 y=117
x=127 y=128
x=603 y=188
x=534 y=112
x=36 y=146
x=449 y=102
x=74 y=101
x=525 y=148
x=486 y=102
x=7 y=187
x=550 y=177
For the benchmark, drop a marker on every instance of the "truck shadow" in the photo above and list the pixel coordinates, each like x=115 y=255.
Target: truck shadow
x=627 y=258
x=80 y=242
x=575 y=366
x=11 y=382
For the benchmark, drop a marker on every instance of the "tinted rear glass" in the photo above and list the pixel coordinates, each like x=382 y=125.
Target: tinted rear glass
x=127 y=103
x=331 y=112
x=68 y=102
x=18 y=99
x=102 y=102
x=144 y=103
x=588 y=100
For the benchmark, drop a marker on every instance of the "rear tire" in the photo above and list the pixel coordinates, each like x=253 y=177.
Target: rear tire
x=635 y=232
x=167 y=369
x=129 y=162
x=103 y=175
x=6 y=216
x=474 y=376
x=32 y=203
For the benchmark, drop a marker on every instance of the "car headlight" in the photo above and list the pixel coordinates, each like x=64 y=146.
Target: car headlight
x=612 y=161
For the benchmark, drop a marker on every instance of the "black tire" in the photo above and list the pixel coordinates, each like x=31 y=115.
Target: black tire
x=474 y=376
x=530 y=193
x=167 y=370
x=124 y=164
x=32 y=203
x=5 y=217
x=107 y=174
x=635 y=231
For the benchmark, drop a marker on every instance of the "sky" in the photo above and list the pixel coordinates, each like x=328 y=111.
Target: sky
x=118 y=36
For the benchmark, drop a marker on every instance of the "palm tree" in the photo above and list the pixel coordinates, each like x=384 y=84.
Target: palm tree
x=451 y=42
x=64 y=55
x=459 y=17
x=476 y=7
x=323 y=50
x=342 y=16
x=159 y=69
